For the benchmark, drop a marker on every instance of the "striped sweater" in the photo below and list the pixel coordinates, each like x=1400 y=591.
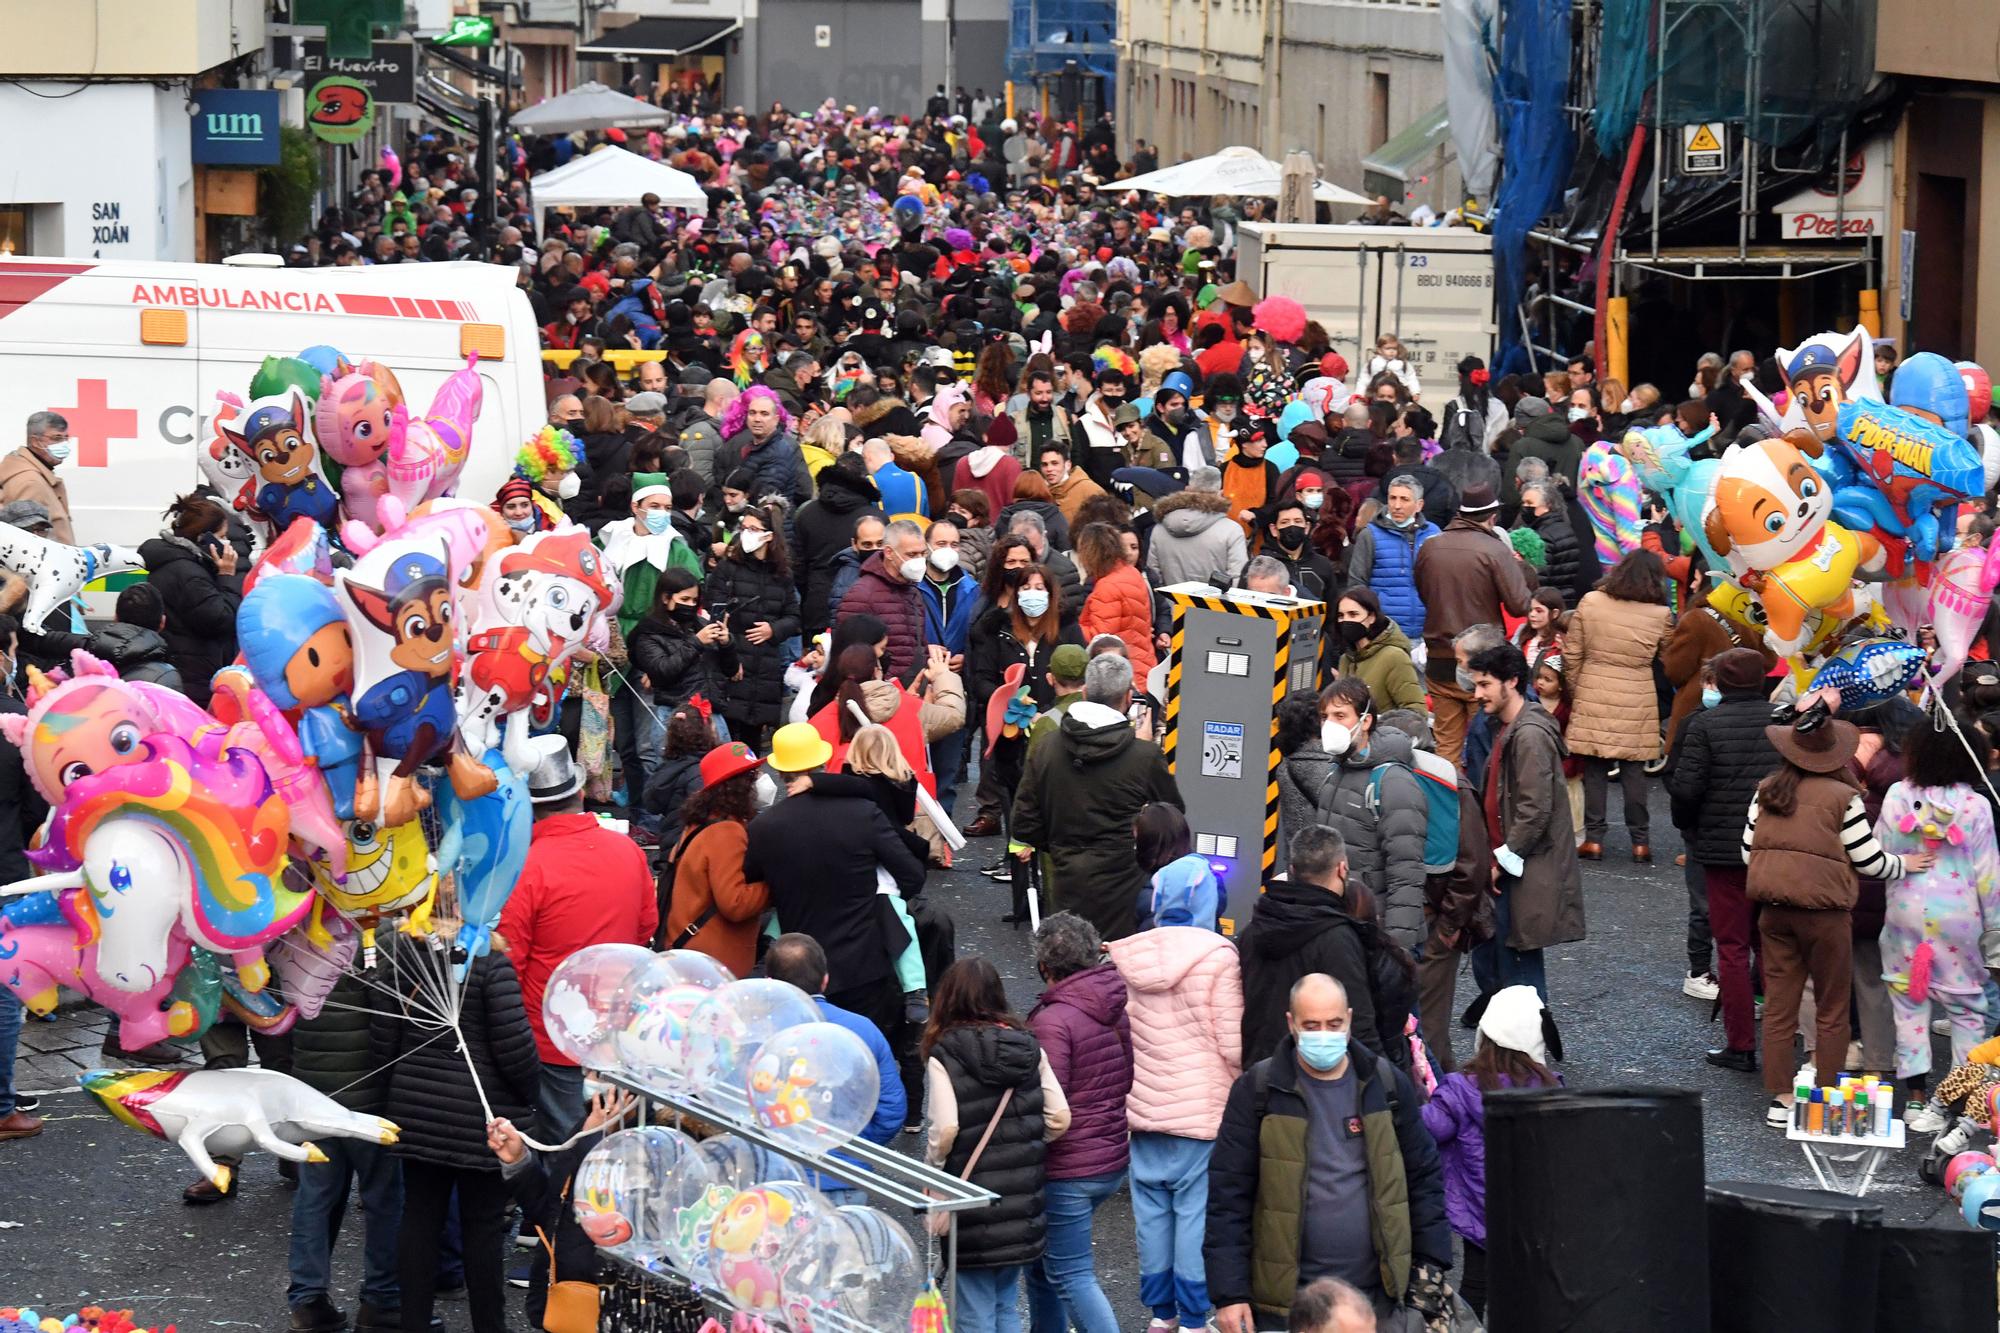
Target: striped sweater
x=1868 y=857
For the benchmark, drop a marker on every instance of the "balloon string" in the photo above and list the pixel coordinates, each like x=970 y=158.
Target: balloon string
x=1939 y=710
x=486 y=1107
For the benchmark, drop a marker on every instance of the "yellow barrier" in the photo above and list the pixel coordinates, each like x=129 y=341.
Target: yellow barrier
x=624 y=360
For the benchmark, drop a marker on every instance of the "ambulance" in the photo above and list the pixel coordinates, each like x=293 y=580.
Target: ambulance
x=133 y=354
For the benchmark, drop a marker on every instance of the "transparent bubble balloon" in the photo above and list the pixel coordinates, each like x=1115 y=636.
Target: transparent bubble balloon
x=726 y=1029
x=659 y=999
x=741 y=1164
x=625 y=1193
x=755 y=1237
x=815 y=1085
x=582 y=1007
x=704 y=1197
x=876 y=1272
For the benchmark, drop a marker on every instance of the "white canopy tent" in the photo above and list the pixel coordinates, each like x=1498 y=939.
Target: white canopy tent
x=613 y=176
x=588 y=106
x=1236 y=170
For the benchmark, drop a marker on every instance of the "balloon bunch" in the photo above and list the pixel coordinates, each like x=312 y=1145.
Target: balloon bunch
x=90 y=1319
x=324 y=438
x=730 y=1214
x=1841 y=525
x=230 y=858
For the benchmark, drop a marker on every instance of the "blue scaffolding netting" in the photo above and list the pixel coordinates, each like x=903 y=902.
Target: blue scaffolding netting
x=1537 y=147
x=1044 y=36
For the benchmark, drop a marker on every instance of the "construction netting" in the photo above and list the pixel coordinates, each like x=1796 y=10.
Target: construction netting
x=1531 y=88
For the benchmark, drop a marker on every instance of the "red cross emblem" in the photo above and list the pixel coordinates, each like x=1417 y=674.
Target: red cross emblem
x=94 y=423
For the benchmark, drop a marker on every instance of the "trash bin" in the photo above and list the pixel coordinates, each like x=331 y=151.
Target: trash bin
x=1783 y=1259
x=1595 y=1217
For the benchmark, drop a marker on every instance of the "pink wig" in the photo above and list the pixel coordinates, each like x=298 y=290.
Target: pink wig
x=1281 y=317
x=733 y=417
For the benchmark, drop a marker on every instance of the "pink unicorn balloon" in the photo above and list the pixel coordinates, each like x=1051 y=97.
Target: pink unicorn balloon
x=1962 y=584
x=425 y=464
x=38 y=959
x=91 y=721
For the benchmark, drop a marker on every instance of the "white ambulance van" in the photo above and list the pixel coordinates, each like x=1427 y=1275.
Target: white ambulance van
x=134 y=353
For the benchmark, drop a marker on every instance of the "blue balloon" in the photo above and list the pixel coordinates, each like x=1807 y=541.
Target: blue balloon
x=326 y=360
x=485 y=845
x=1868 y=671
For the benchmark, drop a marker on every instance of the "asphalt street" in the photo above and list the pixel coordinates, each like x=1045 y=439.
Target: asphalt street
x=90 y=1211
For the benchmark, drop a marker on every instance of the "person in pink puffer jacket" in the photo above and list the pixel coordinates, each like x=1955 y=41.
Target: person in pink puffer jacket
x=1185 y=1003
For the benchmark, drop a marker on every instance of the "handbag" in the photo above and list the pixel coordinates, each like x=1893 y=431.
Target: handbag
x=939 y=1224
x=593 y=747
x=572 y=1305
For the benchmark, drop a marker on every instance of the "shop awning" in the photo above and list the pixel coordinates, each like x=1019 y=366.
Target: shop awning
x=658 y=39
x=1412 y=153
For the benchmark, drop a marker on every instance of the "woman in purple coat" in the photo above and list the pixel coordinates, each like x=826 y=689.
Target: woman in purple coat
x=1516 y=1038
x=1081 y=1024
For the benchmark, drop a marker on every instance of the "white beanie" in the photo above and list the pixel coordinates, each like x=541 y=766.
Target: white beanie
x=1517 y=1019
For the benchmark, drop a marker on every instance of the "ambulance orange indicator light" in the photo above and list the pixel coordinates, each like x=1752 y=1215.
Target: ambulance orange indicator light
x=489 y=340
x=163 y=328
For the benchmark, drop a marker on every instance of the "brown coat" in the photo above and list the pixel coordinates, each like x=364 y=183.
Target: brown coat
x=1698 y=636
x=1466 y=575
x=710 y=870
x=1608 y=653
x=1546 y=903
x=1797 y=860
x=1075 y=490
x=24 y=476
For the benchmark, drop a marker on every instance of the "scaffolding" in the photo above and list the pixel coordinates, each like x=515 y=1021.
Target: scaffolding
x=1049 y=40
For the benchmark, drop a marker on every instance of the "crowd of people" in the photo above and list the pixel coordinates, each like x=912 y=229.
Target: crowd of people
x=924 y=429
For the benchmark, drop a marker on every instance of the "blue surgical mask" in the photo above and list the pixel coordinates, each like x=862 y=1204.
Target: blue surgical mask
x=1034 y=601
x=658 y=520
x=1322 y=1050
x=59 y=450
x=1710 y=697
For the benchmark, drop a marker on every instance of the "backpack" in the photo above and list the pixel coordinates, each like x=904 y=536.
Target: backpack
x=1463 y=428
x=1438 y=782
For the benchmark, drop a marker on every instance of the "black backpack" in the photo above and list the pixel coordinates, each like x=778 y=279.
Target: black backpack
x=1463 y=427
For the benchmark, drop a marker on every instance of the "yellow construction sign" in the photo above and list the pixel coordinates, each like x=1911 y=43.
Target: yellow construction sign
x=1704 y=148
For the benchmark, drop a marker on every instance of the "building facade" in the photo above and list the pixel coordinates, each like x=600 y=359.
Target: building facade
x=1943 y=241
x=883 y=53
x=1337 y=78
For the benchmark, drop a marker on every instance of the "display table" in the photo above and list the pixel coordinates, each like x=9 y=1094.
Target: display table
x=1845 y=1163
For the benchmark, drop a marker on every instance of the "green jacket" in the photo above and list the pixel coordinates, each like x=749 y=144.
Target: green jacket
x=639 y=582
x=1385 y=667
x=1257 y=1182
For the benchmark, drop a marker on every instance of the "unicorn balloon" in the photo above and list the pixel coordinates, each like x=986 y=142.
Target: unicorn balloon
x=425 y=464
x=1608 y=485
x=39 y=957
x=210 y=1113
x=174 y=842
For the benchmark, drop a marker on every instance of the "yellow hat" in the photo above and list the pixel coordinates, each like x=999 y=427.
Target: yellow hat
x=799 y=748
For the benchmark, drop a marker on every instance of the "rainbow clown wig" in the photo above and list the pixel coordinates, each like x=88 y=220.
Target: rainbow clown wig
x=749 y=357
x=550 y=451
x=1108 y=357
x=734 y=417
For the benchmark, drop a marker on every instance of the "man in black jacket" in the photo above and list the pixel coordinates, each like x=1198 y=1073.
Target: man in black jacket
x=1355 y=1190
x=820 y=853
x=1722 y=754
x=330 y=1054
x=824 y=528
x=1300 y=926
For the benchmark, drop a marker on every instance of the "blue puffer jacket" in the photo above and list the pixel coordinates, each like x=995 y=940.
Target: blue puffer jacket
x=1388 y=556
x=953 y=631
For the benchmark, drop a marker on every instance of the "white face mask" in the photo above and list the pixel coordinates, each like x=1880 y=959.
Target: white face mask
x=1627 y=408
x=1335 y=738
x=1579 y=413
x=767 y=790
x=1256 y=352
x=754 y=542
x=59 y=450
x=945 y=558
x=911 y=569
x=569 y=487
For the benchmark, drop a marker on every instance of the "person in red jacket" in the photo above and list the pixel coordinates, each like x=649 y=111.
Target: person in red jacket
x=1120 y=601
x=582 y=884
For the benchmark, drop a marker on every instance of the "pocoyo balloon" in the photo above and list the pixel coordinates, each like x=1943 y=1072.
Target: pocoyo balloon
x=294 y=637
